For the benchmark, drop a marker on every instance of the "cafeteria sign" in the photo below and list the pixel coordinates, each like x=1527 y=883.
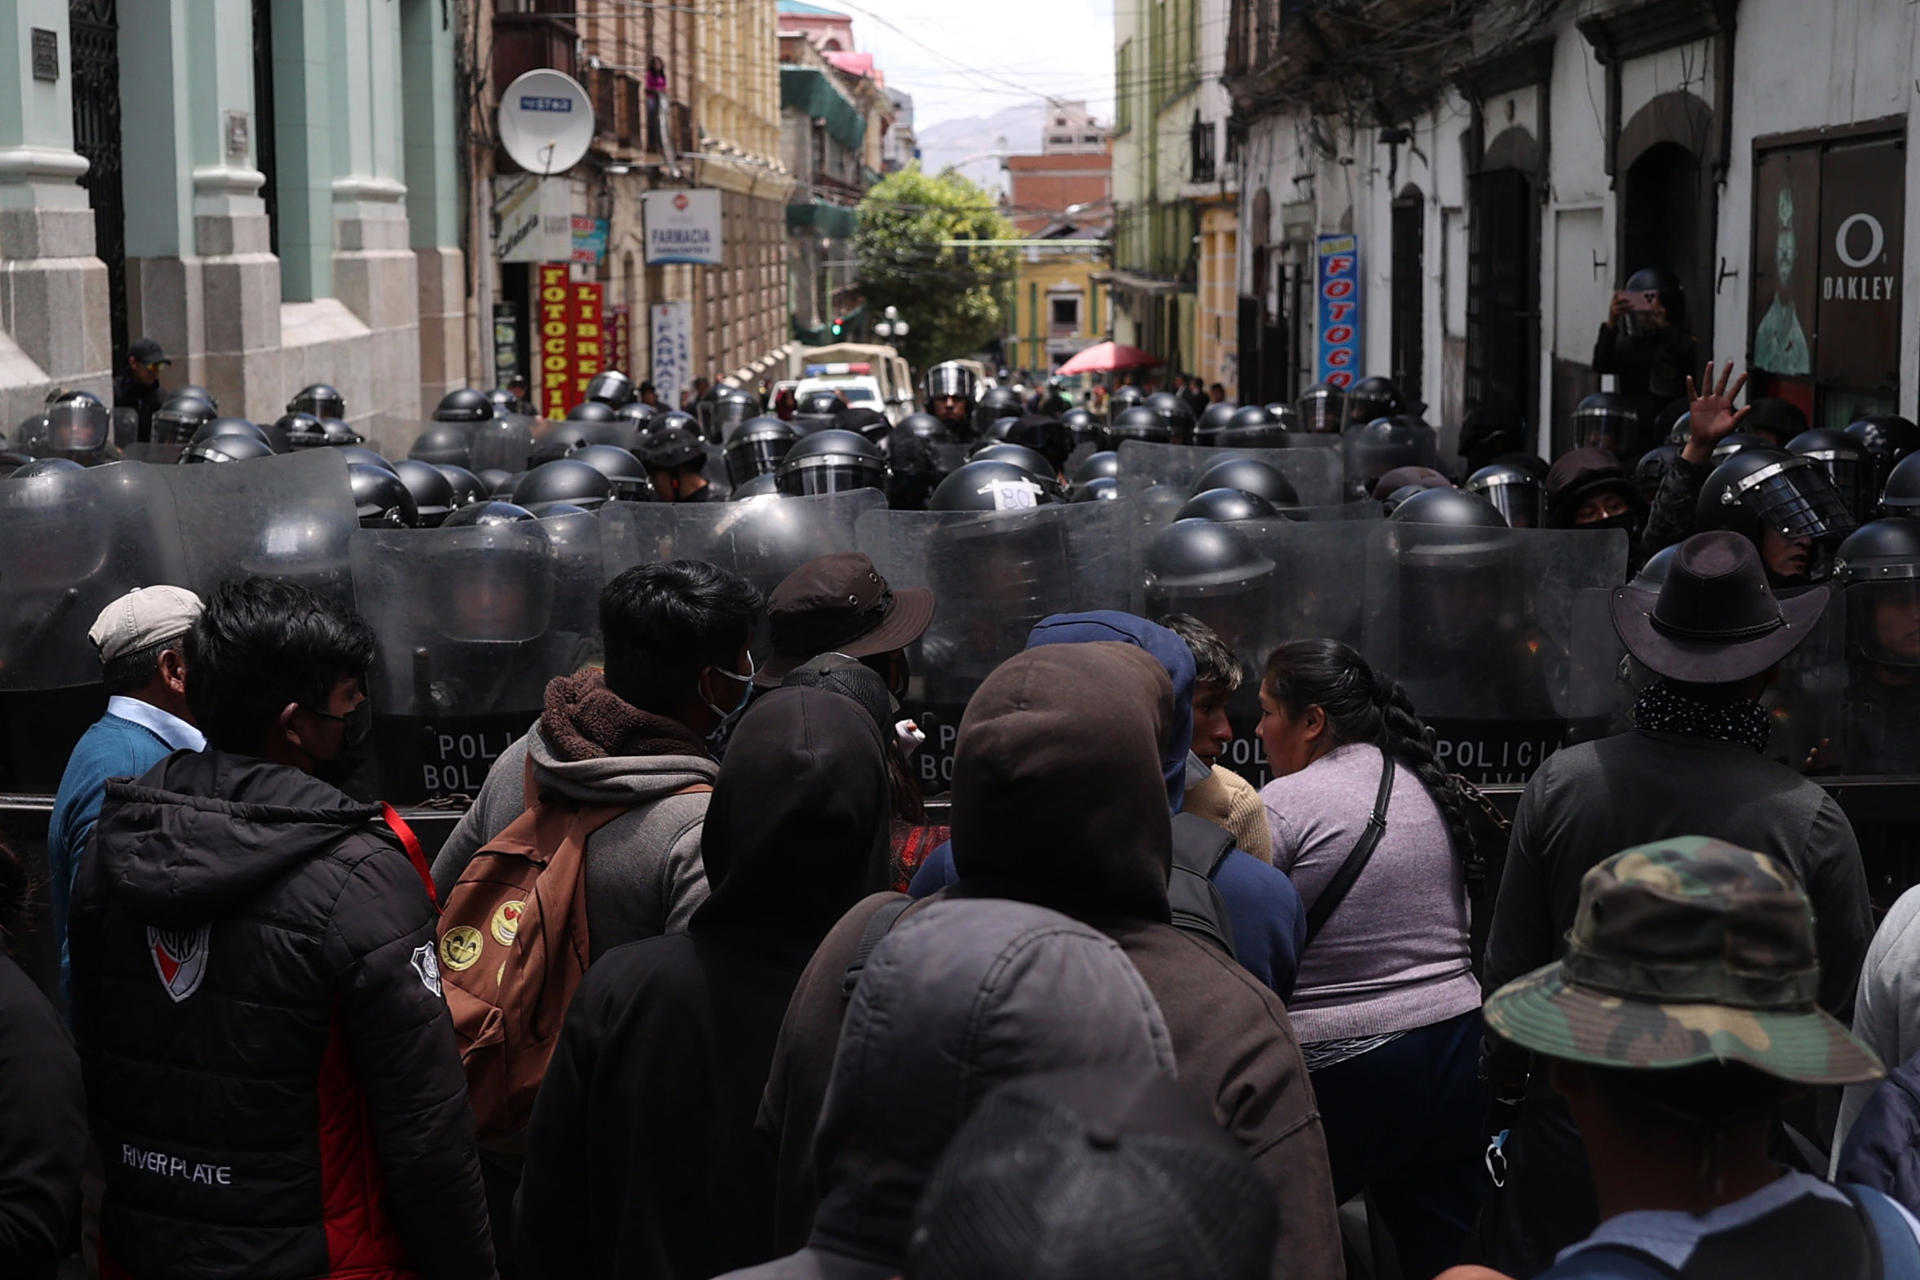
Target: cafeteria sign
x=1339 y=309
x=682 y=226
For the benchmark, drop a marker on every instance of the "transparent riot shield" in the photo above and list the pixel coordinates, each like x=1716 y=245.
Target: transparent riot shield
x=289 y=516
x=761 y=539
x=468 y=640
x=993 y=575
x=579 y=574
x=70 y=542
x=391 y=435
x=504 y=444
x=1499 y=636
x=1370 y=450
x=1144 y=465
x=1847 y=699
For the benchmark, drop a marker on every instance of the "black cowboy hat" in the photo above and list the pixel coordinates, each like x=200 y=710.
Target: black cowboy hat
x=1714 y=620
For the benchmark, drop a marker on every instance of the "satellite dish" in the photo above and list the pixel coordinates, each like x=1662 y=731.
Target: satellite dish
x=546 y=121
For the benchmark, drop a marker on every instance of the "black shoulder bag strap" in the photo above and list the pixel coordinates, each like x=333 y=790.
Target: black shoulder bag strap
x=879 y=924
x=1336 y=891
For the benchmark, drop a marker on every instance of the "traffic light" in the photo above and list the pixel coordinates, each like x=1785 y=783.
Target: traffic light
x=839 y=326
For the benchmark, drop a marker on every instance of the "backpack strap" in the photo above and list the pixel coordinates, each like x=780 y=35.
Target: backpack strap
x=1336 y=891
x=411 y=843
x=1199 y=847
x=879 y=924
x=1899 y=1251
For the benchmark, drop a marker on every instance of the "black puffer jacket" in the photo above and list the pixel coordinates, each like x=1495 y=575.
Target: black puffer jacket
x=269 y=1062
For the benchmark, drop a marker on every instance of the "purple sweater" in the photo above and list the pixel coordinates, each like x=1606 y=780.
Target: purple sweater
x=1393 y=956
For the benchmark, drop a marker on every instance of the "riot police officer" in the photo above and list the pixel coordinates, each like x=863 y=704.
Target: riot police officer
x=1785 y=505
x=447 y=440
x=564 y=480
x=464 y=404
x=320 y=400
x=610 y=387
x=1847 y=464
x=380 y=500
x=1877 y=569
x=676 y=459
x=994 y=404
x=948 y=392
x=432 y=491
x=1514 y=491
x=831 y=461
x=755 y=447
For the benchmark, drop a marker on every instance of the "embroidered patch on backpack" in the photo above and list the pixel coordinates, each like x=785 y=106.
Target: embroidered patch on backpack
x=180 y=958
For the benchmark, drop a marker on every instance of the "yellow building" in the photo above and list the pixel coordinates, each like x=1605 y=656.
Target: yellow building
x=1216 y=339
x=1057 y=308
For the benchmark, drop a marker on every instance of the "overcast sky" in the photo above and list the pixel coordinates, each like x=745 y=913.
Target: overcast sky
x=974 y=57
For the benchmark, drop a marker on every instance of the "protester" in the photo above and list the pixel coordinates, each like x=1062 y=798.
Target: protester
x=635 y=735
x=1096 y=1172
x=1263 y=907
x=1711 y=418
x=1387 y=1010
x=641 y=1158
x=270 y=1065
x=1214 y=792
x=138 y=638
x=43 y=1126
x=1645 y=343
x=953 y=1000
x=1683 y=1012
x=1059 y=799
x=1713 y=636
x=840 y=603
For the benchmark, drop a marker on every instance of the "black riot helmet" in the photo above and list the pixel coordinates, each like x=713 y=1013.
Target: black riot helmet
x=1226 y=505
x=1370 y=451
x=467 y=487
x=831 y=461
x=42 y=467
x=1098 y=489
x=198 y=392
x=175 y=421
x=724 y=408
x=1083 y=426
x=1140 y=423
x=496 y=481
x=1453 y=507
x=505 y=402
x=444 y=441
x=673 y=418
x=77 y=427
x=991 y=484
x=229 y=448
x=566 y=438
x=1049 y=437
x=1254 y=426
x=1759 y=489
x=755 y=447
x=1878 y=569
x=1901 y=497
x=1652 y=469
x=913 y=469
x=1249 y=475
x=624 y=471
x=1193 y=561
x=821 y=403
x=1175 y=412
x=1123 y=398
x=380 y=499
x=1491 y=429
x=432 y=492
x=229 y=426
x=591 y=411
x=1607 y=421
x=865 y=422
x=1372 y=398
x=927 y=427
x=994 y=404
x=488 y=515
x=1734 y=441
x=1212 y=421
x=638 y=413
x=610 y=387
x=1776 y=420
x=761 y=486
x=1104 y=465
x=302 y=430
x=563 y=480
x=1031 y=461
x=339 y=434
x=996 y=432
x=320 y=400
x=366 y=457
x=950 y=378
x=1847 y=464
x=1322 y=408
x=1514 y=491
x=1887 y=438
x=464 y=404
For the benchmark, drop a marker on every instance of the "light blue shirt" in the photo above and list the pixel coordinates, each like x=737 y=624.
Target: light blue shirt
x=169 y=728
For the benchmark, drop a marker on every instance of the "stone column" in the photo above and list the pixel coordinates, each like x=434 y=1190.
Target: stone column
x=429 y=101
x=54 y=326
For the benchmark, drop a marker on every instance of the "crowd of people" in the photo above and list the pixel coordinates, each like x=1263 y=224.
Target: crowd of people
x=699 y=985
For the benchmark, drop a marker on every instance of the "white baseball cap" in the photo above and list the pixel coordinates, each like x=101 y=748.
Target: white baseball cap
x=141 y=618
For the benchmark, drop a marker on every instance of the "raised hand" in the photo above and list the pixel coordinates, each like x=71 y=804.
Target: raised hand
x=1711 y=415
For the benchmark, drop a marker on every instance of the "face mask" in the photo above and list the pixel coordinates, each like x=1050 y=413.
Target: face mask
x=357 y=732
x=720 y=731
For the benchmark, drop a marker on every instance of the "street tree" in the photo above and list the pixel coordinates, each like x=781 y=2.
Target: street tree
x=949 y=294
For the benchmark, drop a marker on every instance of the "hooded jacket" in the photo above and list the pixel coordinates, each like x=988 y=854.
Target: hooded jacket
x=644 y=874
x=270 y=1066
x=1269 y=923
x=1059 y=799
x=959 y=997
x=641 y=1155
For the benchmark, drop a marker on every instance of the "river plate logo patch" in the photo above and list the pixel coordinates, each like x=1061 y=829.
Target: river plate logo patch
x=180 y=958
x=427 y=966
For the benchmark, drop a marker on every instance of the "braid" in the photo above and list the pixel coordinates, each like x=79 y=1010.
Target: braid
x=1410 y=740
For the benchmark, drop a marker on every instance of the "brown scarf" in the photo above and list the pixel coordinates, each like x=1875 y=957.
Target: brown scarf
x=585 y=720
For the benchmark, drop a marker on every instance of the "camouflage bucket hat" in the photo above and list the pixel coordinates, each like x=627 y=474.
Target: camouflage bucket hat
x=1686 y=951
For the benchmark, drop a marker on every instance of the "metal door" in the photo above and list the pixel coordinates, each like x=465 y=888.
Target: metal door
x=1409 y=291
x=95 y=36
x=1503 y=292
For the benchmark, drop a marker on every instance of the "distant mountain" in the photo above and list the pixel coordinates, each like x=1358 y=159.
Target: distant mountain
x=952 y=141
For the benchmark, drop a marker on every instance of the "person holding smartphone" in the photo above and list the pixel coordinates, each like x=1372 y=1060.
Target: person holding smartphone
x=1646 y=343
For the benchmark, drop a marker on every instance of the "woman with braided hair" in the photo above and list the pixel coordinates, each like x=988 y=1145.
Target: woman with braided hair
x=1387 y=1008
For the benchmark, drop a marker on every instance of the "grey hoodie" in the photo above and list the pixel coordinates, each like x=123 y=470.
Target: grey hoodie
x=644 y=874
x=961 y=996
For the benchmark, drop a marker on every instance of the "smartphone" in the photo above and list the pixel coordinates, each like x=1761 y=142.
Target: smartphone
x=1638 y=299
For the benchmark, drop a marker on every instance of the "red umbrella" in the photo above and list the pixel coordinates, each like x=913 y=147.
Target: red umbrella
x=1106 y=357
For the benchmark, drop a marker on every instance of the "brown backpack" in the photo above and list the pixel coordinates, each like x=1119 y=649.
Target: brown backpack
x=513 y=948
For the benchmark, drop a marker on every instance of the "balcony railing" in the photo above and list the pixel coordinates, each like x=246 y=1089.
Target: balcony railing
x=524 y=42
